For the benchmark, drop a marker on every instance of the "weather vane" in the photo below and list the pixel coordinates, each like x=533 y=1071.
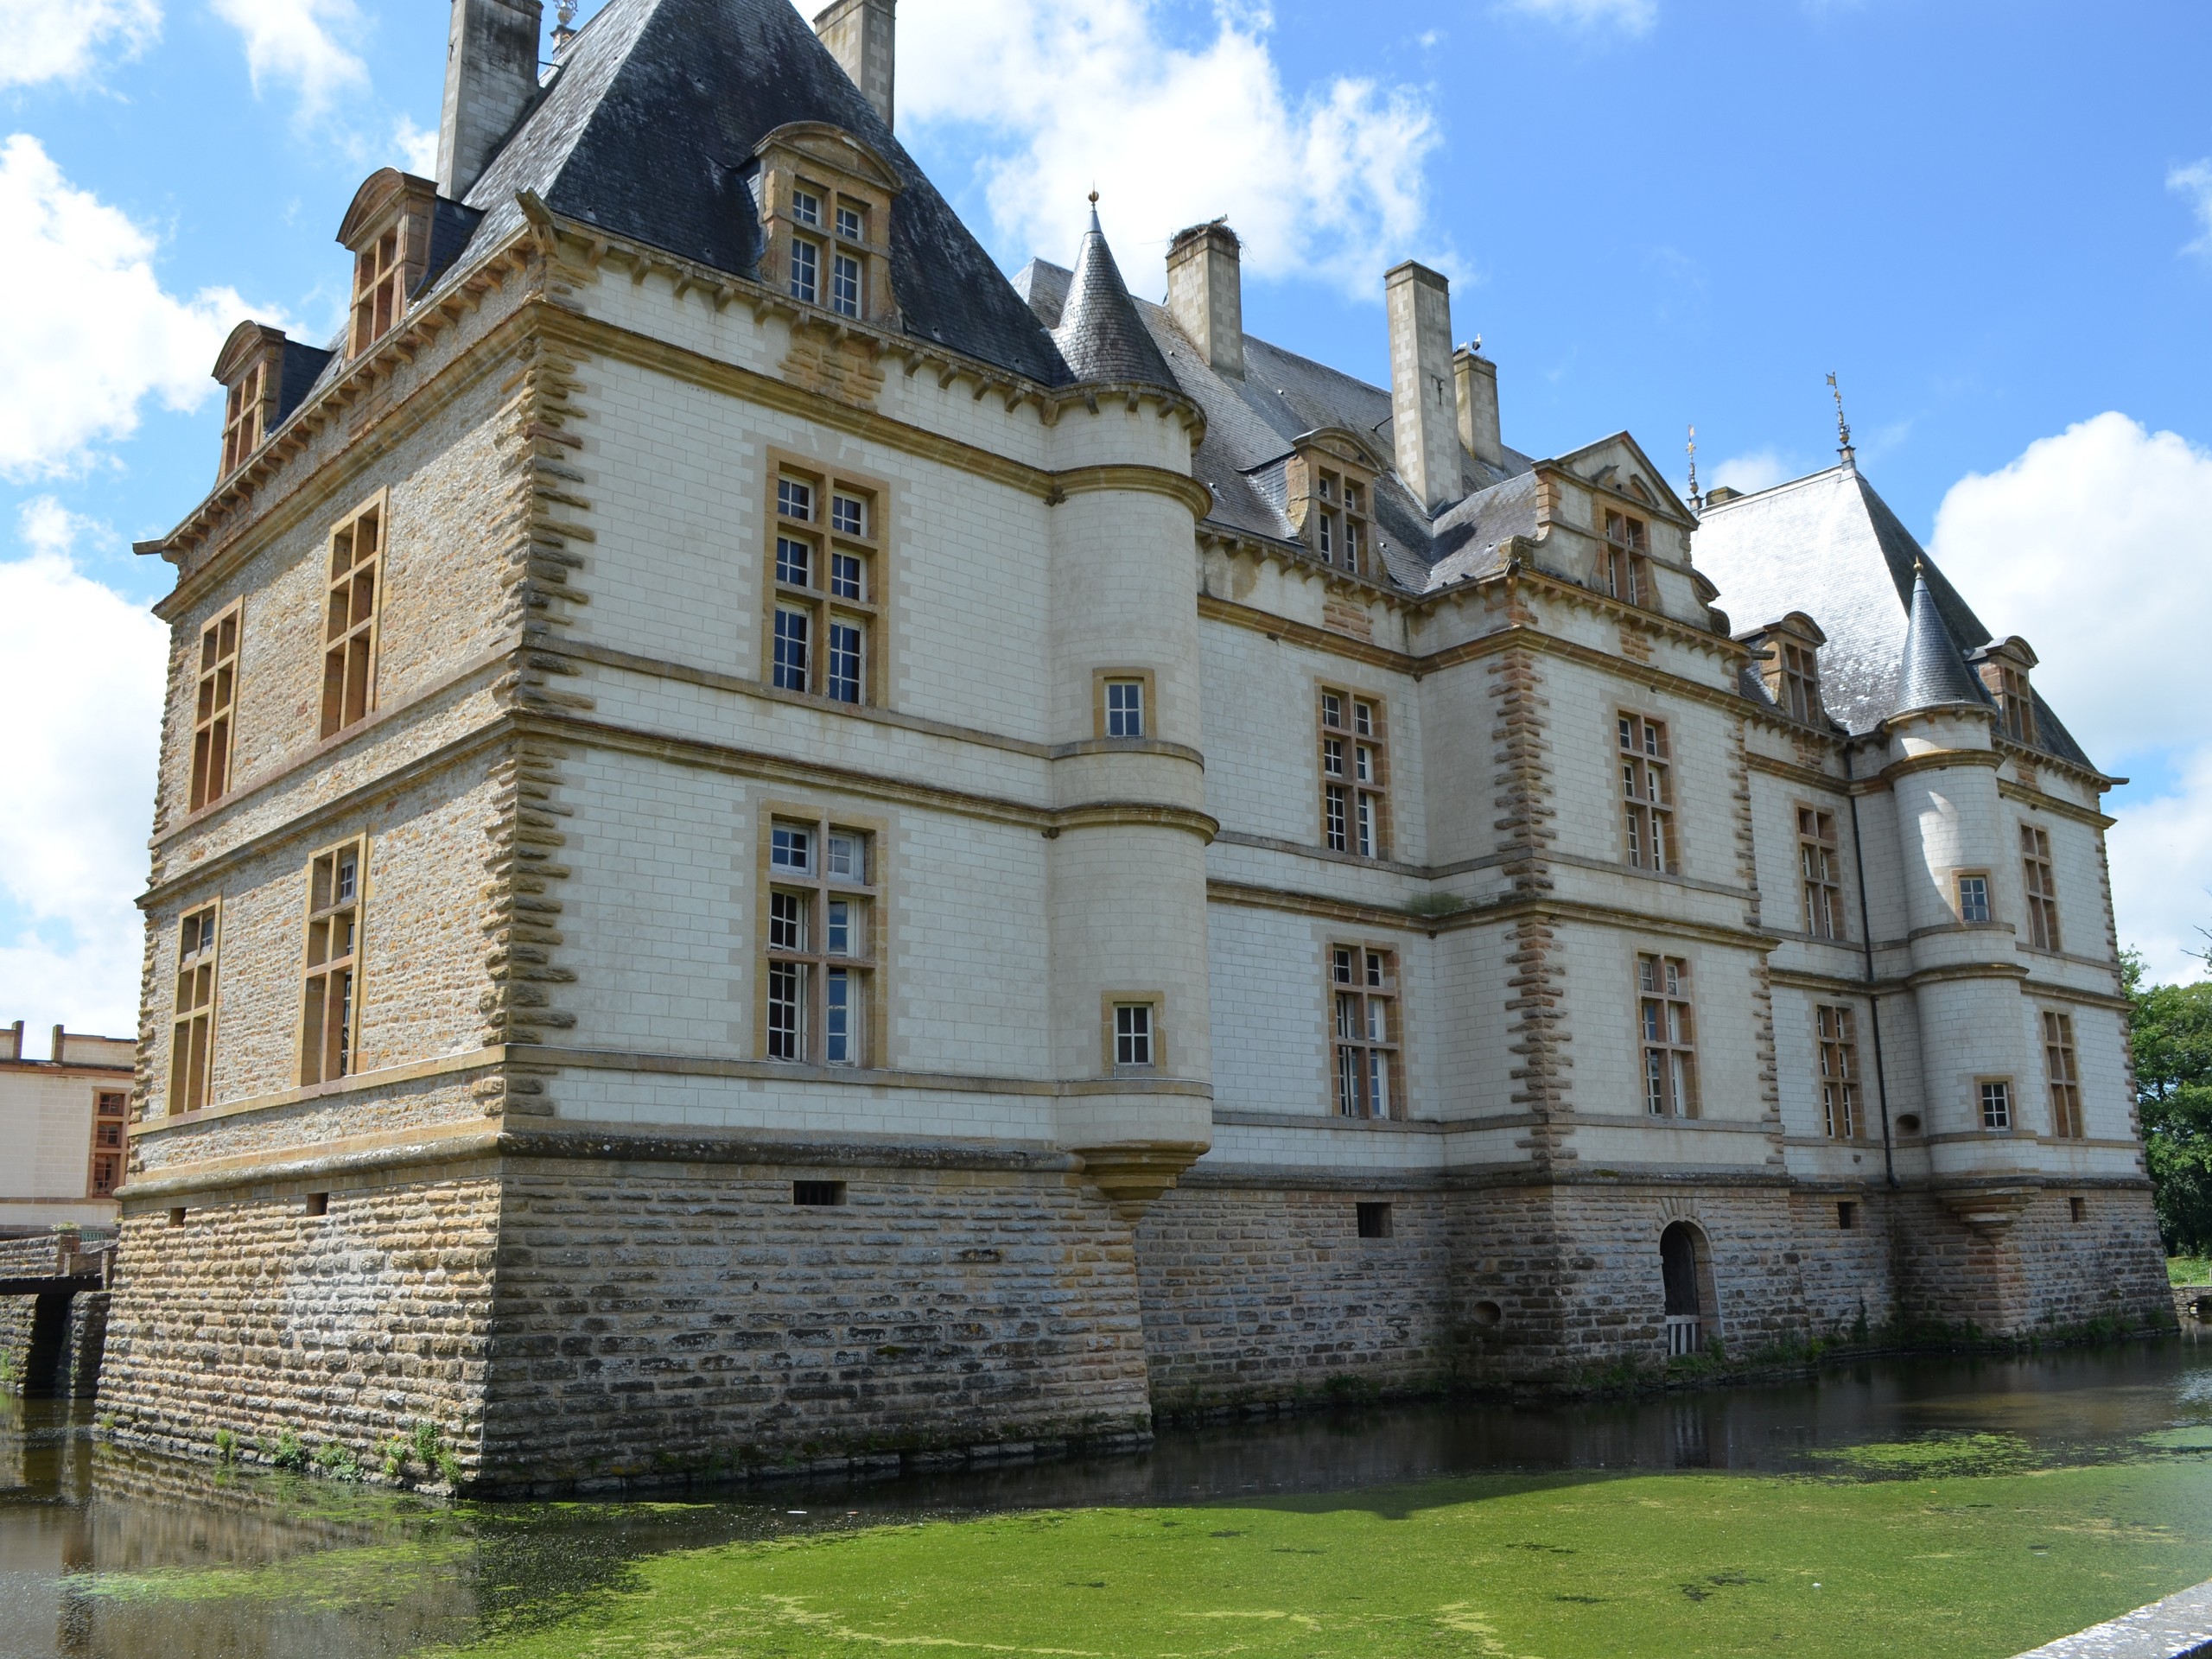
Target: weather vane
x=1842 y=427
x=1697 y=501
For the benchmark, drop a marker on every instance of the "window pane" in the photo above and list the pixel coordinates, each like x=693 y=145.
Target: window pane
x=838 y=935
x=805 y=264
x=848 y=514
x=791 y=670
x=793 y=499
x=787 y=1010
x=837 y=1047
x=848 y=856
x=845 y=285
x=844 y=679
x=787 y=921
x=794 y=561
x=790 y=849
x=848 y=222
x=806 y=207
x=845 y=576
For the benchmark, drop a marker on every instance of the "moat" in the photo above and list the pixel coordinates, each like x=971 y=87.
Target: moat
x=1954 y=1507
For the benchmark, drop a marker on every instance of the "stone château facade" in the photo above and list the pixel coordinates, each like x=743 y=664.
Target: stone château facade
x=772 y=847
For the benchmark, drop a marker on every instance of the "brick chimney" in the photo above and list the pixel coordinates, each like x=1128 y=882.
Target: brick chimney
x=1424 y=411
x=860 y=35
x=490 y=77
x=1476 y=378
x=1205 y=294
x=11 y=1041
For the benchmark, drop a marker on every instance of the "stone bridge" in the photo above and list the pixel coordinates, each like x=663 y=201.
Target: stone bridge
x=53 y=1317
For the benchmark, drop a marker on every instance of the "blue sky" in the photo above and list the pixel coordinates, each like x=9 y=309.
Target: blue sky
x=1994 y=222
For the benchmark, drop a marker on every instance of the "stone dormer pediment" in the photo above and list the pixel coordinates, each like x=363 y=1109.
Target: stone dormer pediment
x=387 y=229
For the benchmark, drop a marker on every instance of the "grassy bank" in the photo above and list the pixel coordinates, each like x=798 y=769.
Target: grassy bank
x=1957 y=1547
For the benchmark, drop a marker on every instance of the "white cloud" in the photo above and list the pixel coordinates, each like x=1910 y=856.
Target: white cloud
x=293 y=40
x=82 y=670
x=1761 y=469
x=1637 y=16
x=2096 y=546
x=417 y=148
x=107 y=335
x=2195 y=180
x=66 y=39
x=1328 y=181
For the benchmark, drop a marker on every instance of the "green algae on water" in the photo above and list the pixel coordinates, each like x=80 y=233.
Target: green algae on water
x=1931 y=1455
x=1569 y=1566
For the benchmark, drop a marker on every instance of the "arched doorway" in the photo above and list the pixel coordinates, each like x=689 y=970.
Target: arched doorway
x=1683 y=1272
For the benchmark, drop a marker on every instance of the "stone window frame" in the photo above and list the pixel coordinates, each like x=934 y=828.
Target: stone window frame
x=214 y=707
x=107 y=1157
x=1101 y=717
x=1110 y=1004
x=1666 y=1029
x=252 y=370
x=1820 y=873
x=1329 y=489
x=327 y=1053
x=1835 y=1046
x=1643 y=819
x=1996 y=1109
x=1352 y=804
x=1787 y=654
x=819 y=600
x=840 y=173
x=1624 y=560
x=1358 y=1046
x=351 y=638
x=2062 y=1072
x=2040 y=887
x=2003 y=669
x=868 y=1046
x=387 y=229
x=196 y=1009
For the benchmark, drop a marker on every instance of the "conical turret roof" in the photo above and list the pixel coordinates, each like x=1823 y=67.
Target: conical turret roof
x=1101 y=335
x=1931 y=672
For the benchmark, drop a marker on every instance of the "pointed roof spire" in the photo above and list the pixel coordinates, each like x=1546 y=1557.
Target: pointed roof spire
x=1101 y=335
x=1931 y=672
x=1697 y=501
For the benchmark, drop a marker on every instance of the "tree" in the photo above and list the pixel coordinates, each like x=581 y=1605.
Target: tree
x=2171 y=1030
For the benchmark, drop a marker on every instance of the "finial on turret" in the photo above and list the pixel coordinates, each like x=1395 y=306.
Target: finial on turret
x=1697 y=501
x=565 y=30
x=1842 y=429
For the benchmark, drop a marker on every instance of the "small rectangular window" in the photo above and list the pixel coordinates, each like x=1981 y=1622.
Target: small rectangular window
x=176 y=1217
x=1819 y=866
x=819 y=1194
x=790 y=848
x=843 y=677
x=791 y=656
x=1838 y=1034
x=848 y=514
x=794 y=561
x=847 y=857
x=1132 y=1035
x=315 y=1204
x=1800 y=683
x=1973 y=898
x=806 y=266
x=1624 y=567
x=1125 y=708
x=806 y=207
x=846 y=576
x=2078 y=1208
x=1996 y=1105
x=1374 y=1220
x=1846 y=1215
x=794 y=498
x=848 y=222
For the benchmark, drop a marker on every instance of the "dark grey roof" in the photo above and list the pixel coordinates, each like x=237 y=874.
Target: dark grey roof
x=1828 y=545
x=1252 y=425
x=1099 y=333
x=647 y=130
x=303 y=366
x=1931 y=672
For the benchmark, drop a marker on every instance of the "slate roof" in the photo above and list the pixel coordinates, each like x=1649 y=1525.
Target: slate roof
x=1931 y=672
x=1252 y=425
x=1829 y=546
x=1099 y=333
x=647 y=127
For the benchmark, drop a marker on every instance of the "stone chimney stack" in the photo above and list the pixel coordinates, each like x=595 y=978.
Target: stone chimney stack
x=1205 y=294
x=491 y=77
x=1476 y=378
x=860 y=35
x=1424 y=411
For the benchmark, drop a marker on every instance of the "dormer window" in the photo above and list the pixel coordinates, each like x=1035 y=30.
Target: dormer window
x=264 y=377
x=1787 y=653
x=2004 y=669
x=388 y=229
x=824 y=199
x=1624 y=565
x=1328 y=481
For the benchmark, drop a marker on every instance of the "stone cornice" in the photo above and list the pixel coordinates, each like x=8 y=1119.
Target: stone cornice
x=2052 y=804
x=1258 y=896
